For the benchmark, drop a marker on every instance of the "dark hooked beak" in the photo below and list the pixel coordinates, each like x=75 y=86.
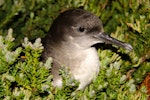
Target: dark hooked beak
x=104 y=37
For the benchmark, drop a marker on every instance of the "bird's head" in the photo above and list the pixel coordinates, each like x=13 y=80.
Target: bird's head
x=81 y=28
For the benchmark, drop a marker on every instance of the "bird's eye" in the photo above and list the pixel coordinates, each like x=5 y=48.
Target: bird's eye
x=81 y=29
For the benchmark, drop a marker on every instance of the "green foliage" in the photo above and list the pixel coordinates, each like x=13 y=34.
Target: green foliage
x=23 y=79
x=24 y=76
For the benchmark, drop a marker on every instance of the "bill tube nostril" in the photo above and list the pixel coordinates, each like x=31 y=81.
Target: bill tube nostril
x=106 y=38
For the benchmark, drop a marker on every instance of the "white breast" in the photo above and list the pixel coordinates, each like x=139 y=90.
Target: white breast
x=88 y=68
x=83 y=64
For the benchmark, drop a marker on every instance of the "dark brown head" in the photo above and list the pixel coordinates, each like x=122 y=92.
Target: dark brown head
x=80 y=27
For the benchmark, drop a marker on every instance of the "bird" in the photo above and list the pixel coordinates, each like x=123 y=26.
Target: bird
x=70 y=43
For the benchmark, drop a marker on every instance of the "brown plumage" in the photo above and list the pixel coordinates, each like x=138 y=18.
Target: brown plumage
x=70 y=43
